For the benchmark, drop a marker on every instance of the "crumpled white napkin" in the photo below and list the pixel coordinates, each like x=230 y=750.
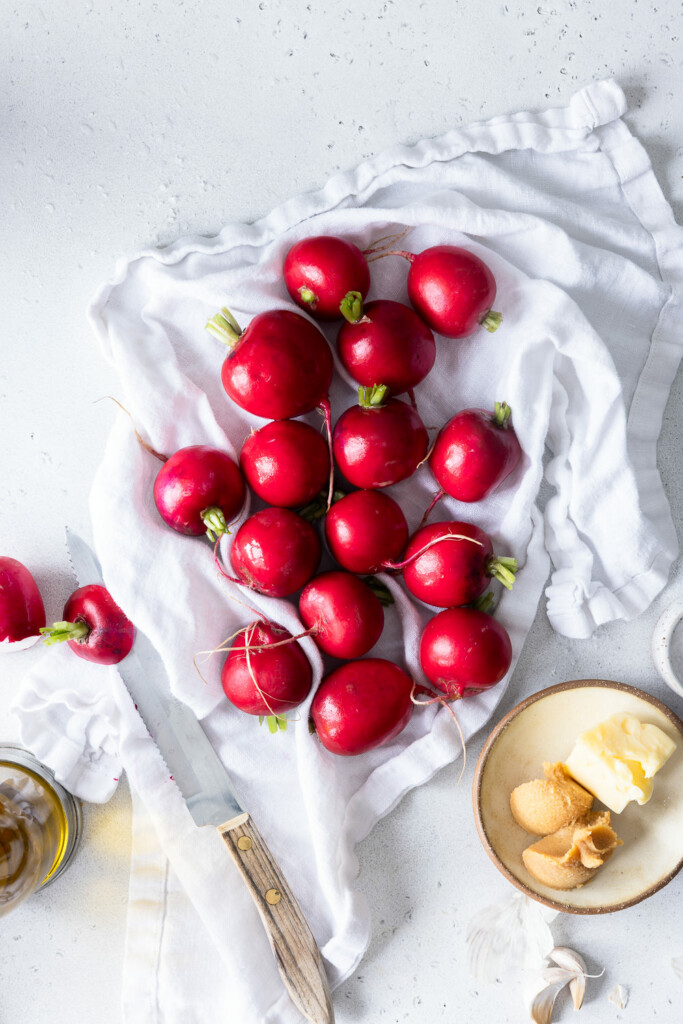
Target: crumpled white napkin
x=564 y=208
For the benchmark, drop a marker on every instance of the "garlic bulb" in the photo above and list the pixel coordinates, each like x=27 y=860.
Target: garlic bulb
x=511 y=933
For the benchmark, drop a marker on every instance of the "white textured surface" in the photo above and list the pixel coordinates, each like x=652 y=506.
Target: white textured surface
x=128 y=124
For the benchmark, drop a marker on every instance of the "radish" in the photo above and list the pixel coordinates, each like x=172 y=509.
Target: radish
x=447 y=564
x=22 y=613
x=378 y=442
x=365 y=531
x=94 y=626
x=286 y=463
x=327 y=276
x=452 y=290
x=361 y=705
x=199 y=490
x=345 y=616
x=474 y=452
x=266 y=671
x=464 y=651
x=390 y=343
x=275 y=551
x=279 y=367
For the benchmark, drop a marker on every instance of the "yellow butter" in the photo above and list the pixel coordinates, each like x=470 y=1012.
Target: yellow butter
x=615 y=760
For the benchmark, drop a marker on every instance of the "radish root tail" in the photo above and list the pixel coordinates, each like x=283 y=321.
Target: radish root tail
x=327 y=413
x=446 y=702
x=436 y=540
x=381 y=245
x=141 y=441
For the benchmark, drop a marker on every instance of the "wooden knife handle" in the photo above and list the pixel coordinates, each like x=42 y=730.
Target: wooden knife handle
x=296 y=953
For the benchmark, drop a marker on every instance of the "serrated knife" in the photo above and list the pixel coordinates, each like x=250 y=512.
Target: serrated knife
x=204 y=783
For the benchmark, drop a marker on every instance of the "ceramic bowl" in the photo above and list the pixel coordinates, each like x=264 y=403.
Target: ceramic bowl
x=544 y=727
x=662 y=640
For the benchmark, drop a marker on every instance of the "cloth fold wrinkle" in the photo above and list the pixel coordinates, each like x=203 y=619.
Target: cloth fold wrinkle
x=589 y=337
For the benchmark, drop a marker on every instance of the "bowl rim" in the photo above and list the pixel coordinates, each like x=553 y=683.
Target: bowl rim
x=571 y=684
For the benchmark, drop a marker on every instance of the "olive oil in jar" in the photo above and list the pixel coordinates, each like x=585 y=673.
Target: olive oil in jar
x=40 y=826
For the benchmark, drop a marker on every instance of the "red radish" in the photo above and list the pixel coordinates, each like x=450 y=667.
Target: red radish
x=94 y=626
x=452 y=290
x=199 y=490
x=390 y=343
x=361 y=705
x=344 y=614
x=474 y=452
x=275 y=551
x=464 y=651
x=442 y=567
x=22 y=613
x=266 y=671
x=365 y=531
x=378 y=442
x=286 y=463
x=280 y=366
x=327 y=276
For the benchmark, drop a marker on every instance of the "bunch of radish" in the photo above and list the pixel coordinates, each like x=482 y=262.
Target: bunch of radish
x=280 y=368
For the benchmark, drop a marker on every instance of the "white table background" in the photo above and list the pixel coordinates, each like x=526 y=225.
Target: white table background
x=128 y=124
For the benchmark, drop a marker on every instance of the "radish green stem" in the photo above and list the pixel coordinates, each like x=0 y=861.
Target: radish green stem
x=373 y=396
x=215 y=523
x=224 y=327
x=317 y=508
x=307 y=296
x=485 y=602
x=501 y=414
x=351 y=307
x=61 y=631
x=380 y=590
x=274 y=722
x=503 y=569
x=492 y=321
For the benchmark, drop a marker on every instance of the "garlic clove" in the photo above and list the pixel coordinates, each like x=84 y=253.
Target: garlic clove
x=677 y=964
x=568 y=958
x=577 y=987
x=570 y=968
x=544 y=1001
x=571 y=961
x=556 y=975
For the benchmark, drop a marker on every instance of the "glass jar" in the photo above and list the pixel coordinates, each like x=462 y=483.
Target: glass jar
x=40 y=826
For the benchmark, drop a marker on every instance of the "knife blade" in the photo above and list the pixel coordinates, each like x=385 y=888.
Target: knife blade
x=196 y=768
x=206 y=788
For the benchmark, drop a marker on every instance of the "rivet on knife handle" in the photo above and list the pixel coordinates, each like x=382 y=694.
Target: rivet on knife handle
x=296 y=953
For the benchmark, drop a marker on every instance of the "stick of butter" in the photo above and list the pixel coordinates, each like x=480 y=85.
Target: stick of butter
x=615 y=760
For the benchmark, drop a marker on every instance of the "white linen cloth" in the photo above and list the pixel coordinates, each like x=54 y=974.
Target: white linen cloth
x=565 y=209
